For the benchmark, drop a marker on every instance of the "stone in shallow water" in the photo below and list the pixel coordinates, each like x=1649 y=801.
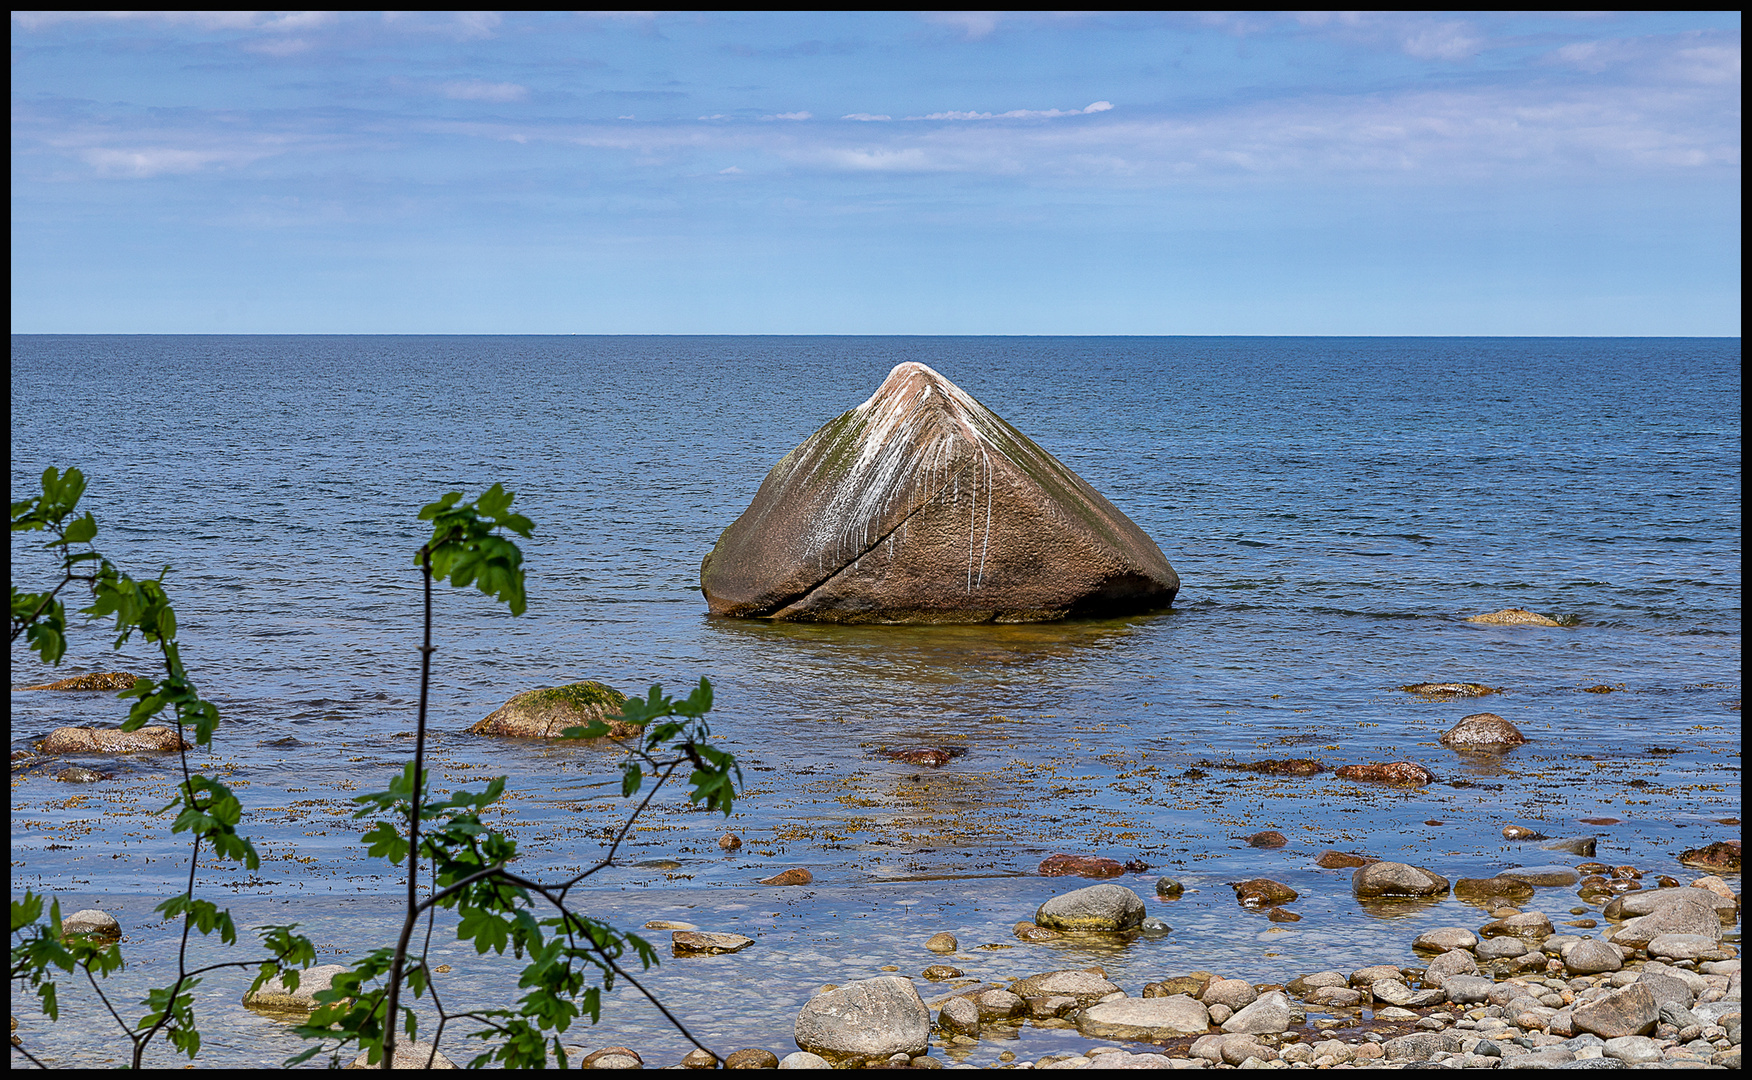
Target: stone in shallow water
x=1722 y=857
x=92 y=923
x=1144 y=1018
x=544 y=712
x=417 y=1055
x=1573 y=845
x=923 y=506
x=1391 y=880
x=1262 y=892
x=1513 y=617
x=1541 y=875
x=871 y=1018
x=1531 y=925
x=97 y=680
x=698 y=941
x=86 y=740
x=1444 y=938
x=1341 y=860
x=274 y=997
x=1089 y=866
x=1483 y=731
x=942 y=942
x=1396 y=773
x=1098 y=907
x=1086 y=986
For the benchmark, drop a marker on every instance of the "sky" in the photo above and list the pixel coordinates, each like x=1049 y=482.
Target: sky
x=876 y=173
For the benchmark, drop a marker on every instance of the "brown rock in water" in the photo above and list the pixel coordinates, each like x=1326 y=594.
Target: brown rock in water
x=1267 y=839
x=729 y=841
x=686 y=942
x=589 y=1060
x=1483 y=731
x=1262 y=892
x=1723 y=855
x=1486 y=891
x=1450 y=689
x=1286 y=767
x=752 y=1057
x=1398 y=773
x=1522 y=832
x=794 y=876
x=97 y=680
x=922 y=506
x=1514 y=617
x=932 y=756
x=544 y=713
x=1278 y=914
x=84 y=740
x=1089 y=866
x=1337 y=860
x=1028 y=931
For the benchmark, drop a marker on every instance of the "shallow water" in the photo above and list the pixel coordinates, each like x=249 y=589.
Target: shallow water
x=1334 y=507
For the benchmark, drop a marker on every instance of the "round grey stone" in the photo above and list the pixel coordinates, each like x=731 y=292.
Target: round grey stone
x=1144 y=1018
x=870 y=1018
x=1098 y=907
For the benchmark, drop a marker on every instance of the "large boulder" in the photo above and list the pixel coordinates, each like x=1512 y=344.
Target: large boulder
x=865 y=1020
x=923 y=506
x=97 y=680
x=273 y=996
x=545 y=712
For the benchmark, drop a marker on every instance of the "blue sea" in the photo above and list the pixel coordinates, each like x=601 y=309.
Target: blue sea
x=1335 y=508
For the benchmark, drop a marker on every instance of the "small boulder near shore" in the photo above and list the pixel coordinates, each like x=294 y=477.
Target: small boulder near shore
x=1396 y=881
x=273 y=997
x=545 y=712
x=923 y=506
x=1513 y=617
x=85 y=740
x=865 y=1020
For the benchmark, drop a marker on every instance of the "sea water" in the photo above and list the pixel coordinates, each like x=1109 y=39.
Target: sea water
x=1335 y=508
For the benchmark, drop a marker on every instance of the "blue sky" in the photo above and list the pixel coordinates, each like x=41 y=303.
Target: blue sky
x=876 y=173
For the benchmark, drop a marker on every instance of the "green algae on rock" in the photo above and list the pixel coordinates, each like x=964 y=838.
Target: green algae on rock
x=923 y=506
x=545 y=712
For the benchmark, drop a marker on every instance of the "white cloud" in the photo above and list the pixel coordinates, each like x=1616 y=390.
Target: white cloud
x=477 y=90
x=865 y=116
x=1013 y=114
x=1444 y=41
x=160 y=161
x=272 y=21
x=972 y=24
x=460 y=25
x=791 y=116
x=731 y=171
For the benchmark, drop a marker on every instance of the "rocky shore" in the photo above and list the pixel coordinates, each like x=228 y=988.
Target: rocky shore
x=1659 y=988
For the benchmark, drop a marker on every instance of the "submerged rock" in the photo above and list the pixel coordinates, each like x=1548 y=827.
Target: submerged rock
x=97 y=680
x=695 y=942
x=85 y=740
x=1514 y=617
x=923 y=506
x=1450 y=689
x=273 y=996
x=1340 y=860
x=545 y=712
x=1483 y=731
x=1397 y=773
x=1262 y=893
x=1724 y=856
x=1089 y=866
x=1144 y=1018
x=408 y=1055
